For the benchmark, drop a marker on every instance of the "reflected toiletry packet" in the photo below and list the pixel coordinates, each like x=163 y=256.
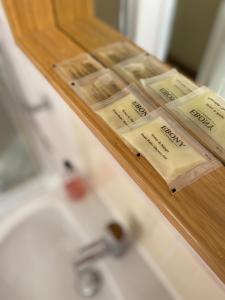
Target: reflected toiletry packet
x=125 y=107
x=168 y=86
x=174 y=153
x=203 y=113
x=98 y=86
x=139 y=67
x=116 y=52
x=77 y=67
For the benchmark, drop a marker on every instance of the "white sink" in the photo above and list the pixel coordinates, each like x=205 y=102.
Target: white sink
x=38 y=246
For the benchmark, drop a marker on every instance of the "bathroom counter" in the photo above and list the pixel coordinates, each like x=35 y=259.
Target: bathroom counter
x=196 y=211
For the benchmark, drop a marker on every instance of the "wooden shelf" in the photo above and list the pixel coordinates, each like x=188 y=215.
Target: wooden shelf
x=198 y=211
x=101 y=34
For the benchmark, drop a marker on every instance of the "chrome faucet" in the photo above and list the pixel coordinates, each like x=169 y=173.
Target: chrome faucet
x=115 y=242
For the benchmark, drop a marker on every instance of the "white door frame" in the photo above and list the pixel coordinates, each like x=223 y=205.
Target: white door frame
x=212 y=68
x=149 y=23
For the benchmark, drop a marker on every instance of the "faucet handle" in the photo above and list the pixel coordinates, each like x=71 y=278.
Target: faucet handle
x=116 y=239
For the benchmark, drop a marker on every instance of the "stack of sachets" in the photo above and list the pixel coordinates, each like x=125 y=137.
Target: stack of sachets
x=127 y=96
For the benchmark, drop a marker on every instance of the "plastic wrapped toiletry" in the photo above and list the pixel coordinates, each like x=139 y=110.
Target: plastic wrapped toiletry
x=171 y=150
x=203 y=113
x=116 y=52
x=77 y=67
x=139 y=67
x=168 y=86
x=125 y=107
x=98 y=86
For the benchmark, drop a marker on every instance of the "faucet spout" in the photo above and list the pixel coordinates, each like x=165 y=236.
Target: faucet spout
x=114 y=243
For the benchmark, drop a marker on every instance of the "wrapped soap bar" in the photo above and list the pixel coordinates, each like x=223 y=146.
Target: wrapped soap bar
x=139 y=67
x=203 y=113
x=168 y=86
x=77 y=67
x=116 y=52
x=125 y=107
x=174 y=153
x=98 y=86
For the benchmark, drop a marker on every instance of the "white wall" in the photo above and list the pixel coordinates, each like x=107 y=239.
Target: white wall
x=56 y=126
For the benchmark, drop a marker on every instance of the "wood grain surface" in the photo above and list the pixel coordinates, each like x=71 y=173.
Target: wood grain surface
x=198 y=211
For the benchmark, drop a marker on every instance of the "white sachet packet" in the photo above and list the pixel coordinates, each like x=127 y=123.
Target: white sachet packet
x=168 y=86
x=139 y=67
x=116 y=52
x=125 y=107
x=170 y=149
x=203 y=113
x=98 y=86
x=77 y=67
